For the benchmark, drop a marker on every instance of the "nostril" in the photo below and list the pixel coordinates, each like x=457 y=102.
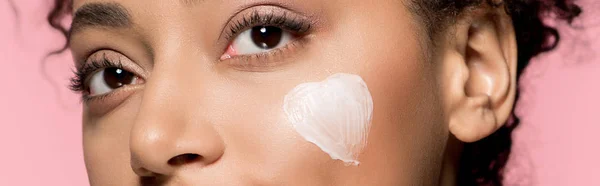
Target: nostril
x=184 y=159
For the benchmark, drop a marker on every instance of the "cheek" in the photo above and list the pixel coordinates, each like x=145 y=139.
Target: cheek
x=334 y=114
x=407 y=127
x=250 y=118
x=106 y=144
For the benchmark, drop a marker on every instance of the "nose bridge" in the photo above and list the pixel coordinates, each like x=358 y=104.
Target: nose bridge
x=169 y=130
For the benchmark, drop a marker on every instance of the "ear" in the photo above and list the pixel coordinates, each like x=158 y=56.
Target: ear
x=479 y=73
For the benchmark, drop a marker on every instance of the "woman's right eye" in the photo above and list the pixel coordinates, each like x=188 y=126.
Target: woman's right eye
x=110 y=79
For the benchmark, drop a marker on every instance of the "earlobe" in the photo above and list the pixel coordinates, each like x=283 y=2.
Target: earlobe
x=480 y=91
x=474 y=119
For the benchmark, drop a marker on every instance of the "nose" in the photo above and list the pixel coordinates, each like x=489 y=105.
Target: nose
x=170 y=131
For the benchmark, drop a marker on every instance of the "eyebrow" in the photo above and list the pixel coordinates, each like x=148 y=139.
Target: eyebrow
x=100 y=15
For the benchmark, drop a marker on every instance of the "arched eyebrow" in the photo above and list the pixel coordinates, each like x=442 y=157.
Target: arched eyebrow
x=110 y=15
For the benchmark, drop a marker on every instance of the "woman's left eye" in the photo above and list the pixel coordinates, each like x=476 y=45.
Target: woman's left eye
x=257 y=40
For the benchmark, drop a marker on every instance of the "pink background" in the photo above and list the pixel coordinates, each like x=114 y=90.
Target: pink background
x=40 y=131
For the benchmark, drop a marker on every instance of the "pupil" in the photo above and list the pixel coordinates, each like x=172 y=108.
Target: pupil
x=116 y=77
x=266 y=37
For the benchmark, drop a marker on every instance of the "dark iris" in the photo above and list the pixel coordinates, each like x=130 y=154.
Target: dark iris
x=266 y=37
x=116 y=77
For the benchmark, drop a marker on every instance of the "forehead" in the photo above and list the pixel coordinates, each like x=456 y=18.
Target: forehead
x=152 y=12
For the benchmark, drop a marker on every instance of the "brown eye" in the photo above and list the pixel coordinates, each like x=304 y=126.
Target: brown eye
x=116 y=77
x=109 y=79
x=266 y=37
x=259 y=39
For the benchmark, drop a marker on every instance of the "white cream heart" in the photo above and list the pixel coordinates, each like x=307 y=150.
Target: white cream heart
x=334 y=114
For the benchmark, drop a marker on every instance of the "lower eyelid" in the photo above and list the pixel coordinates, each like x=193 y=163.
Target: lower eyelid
x=269 y=60
x=103 y=103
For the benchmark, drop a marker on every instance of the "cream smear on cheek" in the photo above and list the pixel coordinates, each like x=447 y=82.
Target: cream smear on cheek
x=334 y=114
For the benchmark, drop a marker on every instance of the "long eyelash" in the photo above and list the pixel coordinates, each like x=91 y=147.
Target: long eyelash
x=290 y=23
x=81 y=74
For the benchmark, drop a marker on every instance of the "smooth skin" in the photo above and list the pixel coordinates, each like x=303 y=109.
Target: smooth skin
x=194 y=118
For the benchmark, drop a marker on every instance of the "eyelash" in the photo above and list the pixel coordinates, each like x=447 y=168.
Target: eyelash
x=296 y=25
x=81 y=75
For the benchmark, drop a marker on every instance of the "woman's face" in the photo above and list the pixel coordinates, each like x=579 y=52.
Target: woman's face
x=186 y=100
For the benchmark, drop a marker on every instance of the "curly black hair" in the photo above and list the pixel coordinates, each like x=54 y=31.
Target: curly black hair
x=482 y=162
